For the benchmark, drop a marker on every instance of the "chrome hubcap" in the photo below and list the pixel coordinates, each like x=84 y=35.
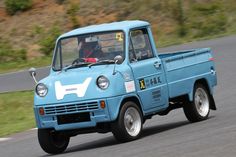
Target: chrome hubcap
x=201 y=102
x=132 y=121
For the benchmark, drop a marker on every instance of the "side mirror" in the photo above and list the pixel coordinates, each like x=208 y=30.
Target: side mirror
x=32 y=72
x=118 y=59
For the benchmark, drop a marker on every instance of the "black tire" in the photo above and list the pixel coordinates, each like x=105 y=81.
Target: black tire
x=199 y=108
x=52 y=142
x=129 y=124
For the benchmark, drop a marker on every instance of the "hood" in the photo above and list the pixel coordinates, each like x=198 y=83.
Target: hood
x=79 y=84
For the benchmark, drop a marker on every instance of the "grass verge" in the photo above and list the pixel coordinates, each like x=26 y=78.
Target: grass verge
x=164 y=42
x=16 y=112
x=16 y=66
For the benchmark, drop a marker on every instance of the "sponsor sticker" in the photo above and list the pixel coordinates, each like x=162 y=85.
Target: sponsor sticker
x=142 y=84
x=129 y=86
x=119 y=36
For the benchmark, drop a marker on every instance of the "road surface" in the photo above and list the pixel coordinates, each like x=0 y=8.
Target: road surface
x=19 y=81
x=168 y=136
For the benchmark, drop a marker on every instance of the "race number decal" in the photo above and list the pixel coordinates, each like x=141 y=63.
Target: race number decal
x=119 y=36
x=142 y=84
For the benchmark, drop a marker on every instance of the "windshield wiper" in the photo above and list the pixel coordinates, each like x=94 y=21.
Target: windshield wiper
x=102 y=62
x=75 y=65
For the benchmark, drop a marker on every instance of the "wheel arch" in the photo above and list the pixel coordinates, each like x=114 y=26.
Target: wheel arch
x=206 y=84
x=133 y=99
x=115 y=104
x=202 y=81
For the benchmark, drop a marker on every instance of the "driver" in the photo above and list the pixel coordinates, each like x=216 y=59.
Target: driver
x=90 y=51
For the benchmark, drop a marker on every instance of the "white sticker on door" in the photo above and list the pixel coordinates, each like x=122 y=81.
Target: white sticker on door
x=129 y=86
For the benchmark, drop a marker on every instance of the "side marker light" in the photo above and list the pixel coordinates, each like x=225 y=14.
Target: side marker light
x=41 y=111
x=102 y=104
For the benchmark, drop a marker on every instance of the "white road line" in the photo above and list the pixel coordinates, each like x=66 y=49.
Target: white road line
x=4 y=139
x=34 y=129
x=22 y=71
x=14 y=72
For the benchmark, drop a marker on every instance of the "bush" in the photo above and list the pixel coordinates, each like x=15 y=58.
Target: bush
x=60 y=1
x=13 y=6
x=214 y=25
x=207 y=8
x=72 y=12
x=47 y=42
x=209 y=19
x=7 y=53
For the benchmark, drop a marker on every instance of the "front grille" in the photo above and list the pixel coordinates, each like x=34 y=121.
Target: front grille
x=73 y=118
x=70 y=108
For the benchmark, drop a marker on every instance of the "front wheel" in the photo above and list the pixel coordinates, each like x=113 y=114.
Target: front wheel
x=129 y=124
x=199 y=109
x=52 y=142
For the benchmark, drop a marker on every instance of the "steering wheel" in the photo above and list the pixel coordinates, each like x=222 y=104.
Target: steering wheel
x=78 y=60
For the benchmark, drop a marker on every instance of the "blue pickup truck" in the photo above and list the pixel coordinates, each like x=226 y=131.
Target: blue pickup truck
x=110 y=78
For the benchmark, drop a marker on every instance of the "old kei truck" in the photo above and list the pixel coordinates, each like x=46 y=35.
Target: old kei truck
x=110 y=77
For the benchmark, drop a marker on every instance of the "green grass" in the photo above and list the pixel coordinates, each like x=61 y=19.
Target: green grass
x=46 y=61
x=16 y=112
x=200 y=20
x=25 y=65
x=170 y=41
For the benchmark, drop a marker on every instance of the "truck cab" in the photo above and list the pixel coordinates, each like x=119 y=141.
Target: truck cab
x=110 y=77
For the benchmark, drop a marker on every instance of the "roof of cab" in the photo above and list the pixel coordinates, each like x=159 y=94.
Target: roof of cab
x=123 y=25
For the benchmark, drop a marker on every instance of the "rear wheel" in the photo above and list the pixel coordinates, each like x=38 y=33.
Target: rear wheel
x=129 y=123
x=52 y=142
x=199 y=109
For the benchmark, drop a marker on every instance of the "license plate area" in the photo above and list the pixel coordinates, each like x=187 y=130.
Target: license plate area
x=73 y=118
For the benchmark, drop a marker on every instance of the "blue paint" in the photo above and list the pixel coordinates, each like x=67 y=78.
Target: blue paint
x=156 y=80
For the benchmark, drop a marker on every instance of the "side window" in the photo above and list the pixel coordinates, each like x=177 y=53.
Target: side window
x=140 y=47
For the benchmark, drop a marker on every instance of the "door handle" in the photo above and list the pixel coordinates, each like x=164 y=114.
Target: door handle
x=157 y=64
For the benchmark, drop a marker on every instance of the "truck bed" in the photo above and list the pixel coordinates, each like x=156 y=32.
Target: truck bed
x=171 y=55
x=183 y=68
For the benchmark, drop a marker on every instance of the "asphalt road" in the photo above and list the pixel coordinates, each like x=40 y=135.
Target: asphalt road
x=169 y=136
x=18 y=81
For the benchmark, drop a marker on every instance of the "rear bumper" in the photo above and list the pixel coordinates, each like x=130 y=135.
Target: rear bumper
x=95 y=113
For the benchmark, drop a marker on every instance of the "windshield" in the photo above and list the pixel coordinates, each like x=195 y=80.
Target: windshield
x=89 y=48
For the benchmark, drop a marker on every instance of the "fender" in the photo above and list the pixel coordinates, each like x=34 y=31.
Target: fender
x=115 y=104
x=205 y=82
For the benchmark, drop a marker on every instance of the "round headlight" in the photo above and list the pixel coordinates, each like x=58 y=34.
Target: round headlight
x=41 y=90
x=102 y=82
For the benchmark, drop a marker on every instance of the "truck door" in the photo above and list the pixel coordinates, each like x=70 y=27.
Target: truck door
x=147 y=70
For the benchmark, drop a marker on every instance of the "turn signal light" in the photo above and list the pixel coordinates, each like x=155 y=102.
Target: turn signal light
x=41 y=111
x=102 y=104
